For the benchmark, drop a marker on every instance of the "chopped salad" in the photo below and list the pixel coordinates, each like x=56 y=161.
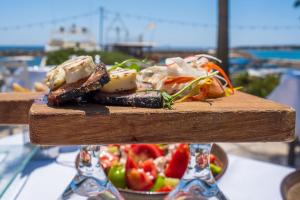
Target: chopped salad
x=148 y=167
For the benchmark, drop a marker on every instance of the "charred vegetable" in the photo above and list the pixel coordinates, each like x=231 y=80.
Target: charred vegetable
x=146 y=99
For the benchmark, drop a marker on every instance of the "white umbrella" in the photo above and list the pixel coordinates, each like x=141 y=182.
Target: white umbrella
x=288 y=92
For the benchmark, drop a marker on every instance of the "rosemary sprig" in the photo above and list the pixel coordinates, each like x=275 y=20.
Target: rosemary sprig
x=168 y=100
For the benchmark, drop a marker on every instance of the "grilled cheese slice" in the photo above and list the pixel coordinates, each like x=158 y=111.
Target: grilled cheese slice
x=120 y=80
x=70 y=71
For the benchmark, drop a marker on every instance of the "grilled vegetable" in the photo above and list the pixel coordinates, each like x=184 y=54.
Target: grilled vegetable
x=146 y=99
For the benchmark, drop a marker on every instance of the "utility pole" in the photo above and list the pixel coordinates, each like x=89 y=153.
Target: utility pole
x=101 y=27
x=223 y=35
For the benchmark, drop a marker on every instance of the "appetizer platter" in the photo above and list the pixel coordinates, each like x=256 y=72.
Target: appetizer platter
x=184 y=100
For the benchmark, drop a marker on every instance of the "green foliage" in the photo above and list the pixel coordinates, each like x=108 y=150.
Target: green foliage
x=258 y=86
x=109 y=58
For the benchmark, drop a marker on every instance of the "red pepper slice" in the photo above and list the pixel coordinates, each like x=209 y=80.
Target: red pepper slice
x=179 y=162
x=130 y=164
x=148 y=150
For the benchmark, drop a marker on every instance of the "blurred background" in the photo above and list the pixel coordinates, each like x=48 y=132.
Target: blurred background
x=258 y=42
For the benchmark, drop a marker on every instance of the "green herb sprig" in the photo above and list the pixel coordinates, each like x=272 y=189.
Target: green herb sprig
x=168 y=100
x=128 y=64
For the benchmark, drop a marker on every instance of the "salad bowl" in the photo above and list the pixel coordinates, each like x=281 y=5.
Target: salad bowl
x=221 y=161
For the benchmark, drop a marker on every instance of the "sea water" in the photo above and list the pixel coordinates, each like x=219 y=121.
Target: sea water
x=276 y=54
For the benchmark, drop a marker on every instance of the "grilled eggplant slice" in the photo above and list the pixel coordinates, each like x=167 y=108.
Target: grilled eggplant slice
x=145 y=99
x=72 y=91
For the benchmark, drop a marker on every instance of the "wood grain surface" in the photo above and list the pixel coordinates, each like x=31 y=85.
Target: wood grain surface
x=238 y=118
x=14 y=107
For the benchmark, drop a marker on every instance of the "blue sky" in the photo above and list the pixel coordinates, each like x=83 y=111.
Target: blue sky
x=242 y=13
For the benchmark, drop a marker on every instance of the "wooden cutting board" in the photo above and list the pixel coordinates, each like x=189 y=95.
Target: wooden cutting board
x=14 y=106
x=238 y=118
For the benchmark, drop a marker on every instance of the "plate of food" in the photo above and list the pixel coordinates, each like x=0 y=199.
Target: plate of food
x=152 y=169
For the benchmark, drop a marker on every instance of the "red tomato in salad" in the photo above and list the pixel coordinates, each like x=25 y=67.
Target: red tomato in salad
x=130 y=164
x=108 y=159
x=145 y=151
x=212 y=158
x=137 y=179
x=140 y=176
x=179 y=162
x=149 y=166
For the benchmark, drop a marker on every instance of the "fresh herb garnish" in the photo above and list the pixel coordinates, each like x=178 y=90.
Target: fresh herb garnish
x=128 y=64
x=168 y=100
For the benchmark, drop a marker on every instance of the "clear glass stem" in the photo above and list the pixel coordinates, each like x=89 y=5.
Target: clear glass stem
x=91 y=181
x=198 y=182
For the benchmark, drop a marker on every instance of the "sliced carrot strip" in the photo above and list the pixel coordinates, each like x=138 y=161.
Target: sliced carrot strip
x=212 y=65
x=178 y=79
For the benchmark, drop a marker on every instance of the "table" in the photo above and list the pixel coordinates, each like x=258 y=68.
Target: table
x=245 y=179
x=14 y=106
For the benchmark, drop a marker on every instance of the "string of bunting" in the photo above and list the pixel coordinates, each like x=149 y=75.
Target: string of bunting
x=149 y=19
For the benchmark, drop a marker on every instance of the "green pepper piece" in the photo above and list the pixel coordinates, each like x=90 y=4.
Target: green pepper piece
x=159 y=183
x=215 y=169
x=116 y=175
x=171 y=182
x=164 y=181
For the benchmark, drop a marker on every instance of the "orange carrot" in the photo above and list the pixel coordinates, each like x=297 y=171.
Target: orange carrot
x=178 y=79
x=211 y=65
